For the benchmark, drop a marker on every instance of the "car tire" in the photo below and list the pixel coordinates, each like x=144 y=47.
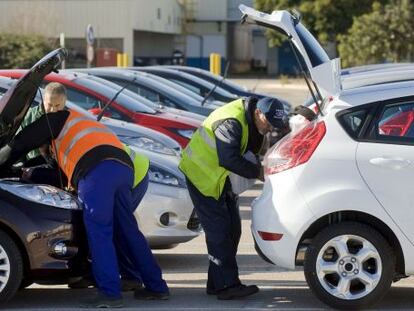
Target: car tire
x=25 y=283
x=11 y=267
x=349 y=265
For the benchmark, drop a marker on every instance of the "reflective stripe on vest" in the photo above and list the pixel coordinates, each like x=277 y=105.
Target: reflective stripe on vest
x=200 y=161
x=141 y=165
x=78 y=136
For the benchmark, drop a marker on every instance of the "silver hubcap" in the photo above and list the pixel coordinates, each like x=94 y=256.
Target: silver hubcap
x=349 y=267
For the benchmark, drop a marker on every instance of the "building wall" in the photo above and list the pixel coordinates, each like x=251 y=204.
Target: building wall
x=116 y=19
x=233 y=8
x=203 y=10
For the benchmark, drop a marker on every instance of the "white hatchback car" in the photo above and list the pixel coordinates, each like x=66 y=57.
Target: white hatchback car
x=338 y=192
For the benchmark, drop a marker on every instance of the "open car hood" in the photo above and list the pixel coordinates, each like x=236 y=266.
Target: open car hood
x=17 y=100
x=324 y=72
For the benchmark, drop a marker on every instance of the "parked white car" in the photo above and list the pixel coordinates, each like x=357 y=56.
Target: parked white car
x=338 y=192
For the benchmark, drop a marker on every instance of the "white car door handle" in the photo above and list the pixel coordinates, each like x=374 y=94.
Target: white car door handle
x=392 y=163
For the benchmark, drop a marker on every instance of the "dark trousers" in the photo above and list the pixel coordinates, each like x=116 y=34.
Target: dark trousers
x=221 y=222
x=107 y=197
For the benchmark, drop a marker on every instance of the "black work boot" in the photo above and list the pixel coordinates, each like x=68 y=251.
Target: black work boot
x=145 y=294
x=84 y=282
x=238 y=291
x=130 y=285
x=100 y=300
x=212 y=291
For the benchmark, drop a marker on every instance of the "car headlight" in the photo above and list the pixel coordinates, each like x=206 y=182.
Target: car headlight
x=186 y=133
x=160 y=175
x=43 y=194
x=148 y=144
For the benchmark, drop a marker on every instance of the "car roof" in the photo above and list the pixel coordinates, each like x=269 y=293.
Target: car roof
x=374 y=67
x=141 y=78
x=184 y=75
x=385 y=75
x=375 y=93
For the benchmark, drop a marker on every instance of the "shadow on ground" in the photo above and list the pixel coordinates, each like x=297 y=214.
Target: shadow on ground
x=289 y=296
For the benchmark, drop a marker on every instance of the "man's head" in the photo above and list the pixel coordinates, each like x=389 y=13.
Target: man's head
x=269 y=115
x=55 y=97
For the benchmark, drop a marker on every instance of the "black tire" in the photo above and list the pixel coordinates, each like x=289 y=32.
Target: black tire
x=12 y=252
x=25 y=283
x=366 y=232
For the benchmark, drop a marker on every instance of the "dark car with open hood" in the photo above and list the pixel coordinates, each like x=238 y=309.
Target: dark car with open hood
x=42 y=237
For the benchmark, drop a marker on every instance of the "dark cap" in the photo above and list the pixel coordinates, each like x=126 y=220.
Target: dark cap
x=274 y=112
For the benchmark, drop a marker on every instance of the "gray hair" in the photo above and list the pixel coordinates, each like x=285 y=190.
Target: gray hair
x=55 y=88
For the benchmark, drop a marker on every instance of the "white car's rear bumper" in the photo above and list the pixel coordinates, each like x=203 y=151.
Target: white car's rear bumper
x=280 y=209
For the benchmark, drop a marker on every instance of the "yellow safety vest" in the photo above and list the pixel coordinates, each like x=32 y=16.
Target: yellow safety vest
x=141 y=165
x=200 y=161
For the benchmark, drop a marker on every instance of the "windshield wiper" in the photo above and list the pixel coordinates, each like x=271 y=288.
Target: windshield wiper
x=100 y=115
x=217 y=84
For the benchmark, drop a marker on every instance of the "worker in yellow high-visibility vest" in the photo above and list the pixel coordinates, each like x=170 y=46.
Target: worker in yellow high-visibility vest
x=215 y=150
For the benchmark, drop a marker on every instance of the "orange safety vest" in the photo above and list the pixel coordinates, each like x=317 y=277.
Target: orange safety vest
x=79 y=135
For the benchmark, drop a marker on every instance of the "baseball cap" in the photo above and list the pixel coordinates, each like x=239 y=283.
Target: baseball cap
x=274 y=112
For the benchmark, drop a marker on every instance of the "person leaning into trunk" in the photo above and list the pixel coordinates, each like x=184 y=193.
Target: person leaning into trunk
x=215 y=150
x=88 y=153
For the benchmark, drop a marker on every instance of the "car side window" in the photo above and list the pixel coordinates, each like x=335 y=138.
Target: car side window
x=82 y=100
x=396 y=121
x=353 y=121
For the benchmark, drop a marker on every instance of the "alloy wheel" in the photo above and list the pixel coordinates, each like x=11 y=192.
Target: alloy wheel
x=349 y=267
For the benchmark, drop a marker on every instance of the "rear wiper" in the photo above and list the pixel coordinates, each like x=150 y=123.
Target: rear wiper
x=217 y=84
x=100 y=115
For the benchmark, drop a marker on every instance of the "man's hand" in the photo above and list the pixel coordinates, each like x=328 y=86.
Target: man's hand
x=5 y=154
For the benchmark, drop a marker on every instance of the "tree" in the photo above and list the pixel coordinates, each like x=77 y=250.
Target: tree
x=22 y=51
x=385 y=34
x=325 y=18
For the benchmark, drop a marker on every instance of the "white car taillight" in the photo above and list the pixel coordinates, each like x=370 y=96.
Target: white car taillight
x=294 y=149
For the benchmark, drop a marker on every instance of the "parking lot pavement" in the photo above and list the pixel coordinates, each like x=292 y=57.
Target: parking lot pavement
x=184 y=268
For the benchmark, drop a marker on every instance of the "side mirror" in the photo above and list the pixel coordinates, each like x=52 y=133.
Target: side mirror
x=97 y=111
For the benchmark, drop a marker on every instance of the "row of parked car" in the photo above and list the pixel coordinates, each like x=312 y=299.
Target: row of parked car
x=337 y=196
x=155 y=110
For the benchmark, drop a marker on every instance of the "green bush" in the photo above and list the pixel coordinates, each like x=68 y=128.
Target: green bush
x=384 y=35
x=22 y=51
x=324 y=18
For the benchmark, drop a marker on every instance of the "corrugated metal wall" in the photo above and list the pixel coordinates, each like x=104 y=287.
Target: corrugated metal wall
x=112 y=18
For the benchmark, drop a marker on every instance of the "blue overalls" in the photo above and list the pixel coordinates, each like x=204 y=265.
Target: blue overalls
x=106 y=192
x=126 y=268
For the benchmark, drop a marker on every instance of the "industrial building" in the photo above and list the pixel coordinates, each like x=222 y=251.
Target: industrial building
x=149 y=32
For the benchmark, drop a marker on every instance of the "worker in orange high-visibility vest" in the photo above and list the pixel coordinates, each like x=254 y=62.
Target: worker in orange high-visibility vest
x=99 y=168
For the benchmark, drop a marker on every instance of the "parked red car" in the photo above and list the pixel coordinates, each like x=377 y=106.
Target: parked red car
x=87 y=92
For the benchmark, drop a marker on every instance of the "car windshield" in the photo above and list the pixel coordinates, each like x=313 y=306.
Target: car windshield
x=208 y=76
x=126 y=98
x=191 y=82
x=177 y=87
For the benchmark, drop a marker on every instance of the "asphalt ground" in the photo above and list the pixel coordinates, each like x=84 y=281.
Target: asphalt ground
x=184 y=267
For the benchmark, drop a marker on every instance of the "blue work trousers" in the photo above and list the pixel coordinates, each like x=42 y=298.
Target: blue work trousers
x=107 y=197
x=126 y=268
